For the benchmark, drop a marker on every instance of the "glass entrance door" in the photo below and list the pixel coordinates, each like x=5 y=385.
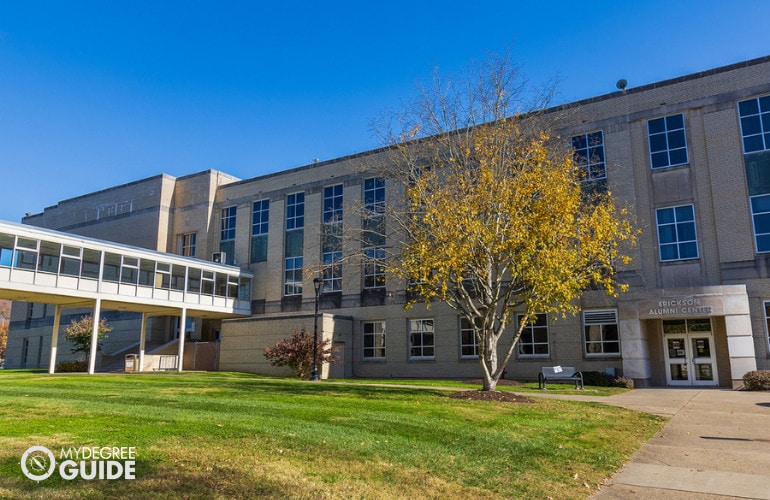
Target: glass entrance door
x=689 y=352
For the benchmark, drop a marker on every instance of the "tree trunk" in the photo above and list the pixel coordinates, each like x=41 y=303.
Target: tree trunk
x=490 y=384
x=490 y=365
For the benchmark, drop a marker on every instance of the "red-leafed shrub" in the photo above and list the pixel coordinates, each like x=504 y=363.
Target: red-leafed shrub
x=296 y=352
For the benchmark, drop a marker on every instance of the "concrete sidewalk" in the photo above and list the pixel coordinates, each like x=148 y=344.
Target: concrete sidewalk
x=715 y=445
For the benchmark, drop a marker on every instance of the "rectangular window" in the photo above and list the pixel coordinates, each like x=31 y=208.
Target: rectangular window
x=331 y=239
x=227 y=234
x=676 y=233
x=588 y=152
x=374 y=268
x=755 y=124
x=293 y=276
x=332 y=204
x=259 y=225
x=668 y=146
x=129 y=270
x=421 y=341
x=601 y=332
x=70 y=260
x=294 y=244
x=469 y=348
x=374 y=233
x=189 y=242
x=374 y=195
x=760 y=214
x=295 y=211
x=767 y=321
x=534 y=338
x=373 y=339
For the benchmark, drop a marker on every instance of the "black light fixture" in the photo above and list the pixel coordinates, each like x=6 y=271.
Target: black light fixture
x=314 y=374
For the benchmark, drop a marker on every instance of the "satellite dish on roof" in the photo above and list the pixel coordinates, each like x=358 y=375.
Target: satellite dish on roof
x=622 y=84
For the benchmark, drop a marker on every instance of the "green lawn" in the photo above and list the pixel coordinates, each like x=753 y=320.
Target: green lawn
x=229 y=436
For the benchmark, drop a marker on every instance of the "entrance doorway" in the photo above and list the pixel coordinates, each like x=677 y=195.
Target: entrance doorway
x=689 y=352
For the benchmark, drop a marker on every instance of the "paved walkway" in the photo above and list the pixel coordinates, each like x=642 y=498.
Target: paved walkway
x=716 y=445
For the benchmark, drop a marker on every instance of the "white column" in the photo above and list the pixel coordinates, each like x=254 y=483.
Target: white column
x=94 y=336
x=55 y=338
x=182 y=327
x=142 y=339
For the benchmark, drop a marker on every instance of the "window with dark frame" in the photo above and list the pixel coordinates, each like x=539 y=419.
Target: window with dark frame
x=601 y=332
x=755 y=124
x=294 y=243
x=677 y=238
x=421 y=339
x=667 y=140
x=260 y=215
x=588 y=154
x=373 y=339
x=534 y=338
x=227 y=234
x=374 y=233
x=331 y=239
x=469 y=348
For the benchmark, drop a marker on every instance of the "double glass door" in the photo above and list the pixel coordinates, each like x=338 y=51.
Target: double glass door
x=689 y=352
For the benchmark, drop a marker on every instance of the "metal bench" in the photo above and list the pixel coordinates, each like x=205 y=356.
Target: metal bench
x=559 y=374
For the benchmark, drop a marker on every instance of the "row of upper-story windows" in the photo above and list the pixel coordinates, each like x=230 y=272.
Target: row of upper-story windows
x=667 y=139
x=331 y=236
x=667 y=148
x=600 y=337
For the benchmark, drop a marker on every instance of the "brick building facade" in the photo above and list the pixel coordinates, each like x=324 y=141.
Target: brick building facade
x=690 y=155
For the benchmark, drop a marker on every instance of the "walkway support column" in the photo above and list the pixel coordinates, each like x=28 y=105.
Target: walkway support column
x=142 y=341
x=182 y=328
x=55 y=339
x=94 y=337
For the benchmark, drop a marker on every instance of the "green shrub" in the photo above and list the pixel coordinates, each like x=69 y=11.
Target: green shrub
x=758 y=380
x=599 y=379
x=72 y=366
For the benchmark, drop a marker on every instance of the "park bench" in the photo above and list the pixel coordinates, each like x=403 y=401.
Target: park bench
x=559 y=374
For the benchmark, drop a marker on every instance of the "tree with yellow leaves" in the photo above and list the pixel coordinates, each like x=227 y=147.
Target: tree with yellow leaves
x=497 y=221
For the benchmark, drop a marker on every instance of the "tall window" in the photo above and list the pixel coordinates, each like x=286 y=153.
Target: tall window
x=588 y=151
x=260 y=214
x=374 y=233
x=188 y=244
x=421 y=341
x=373 y=339
x=760 y=214
x=601 y=332
x=293 y=249
x=668 y=146
x=534 y=338
x=755 y=124
x=676 y=233
x=469 y=348
x=227 y=234
x=767 y=322
x=331 y=239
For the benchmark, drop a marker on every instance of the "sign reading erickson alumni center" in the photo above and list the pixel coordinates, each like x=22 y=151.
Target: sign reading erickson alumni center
x=685 y=306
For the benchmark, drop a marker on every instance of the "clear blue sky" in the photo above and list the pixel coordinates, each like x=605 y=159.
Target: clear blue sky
x=98 y=93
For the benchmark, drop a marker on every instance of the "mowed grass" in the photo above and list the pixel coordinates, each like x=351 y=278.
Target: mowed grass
x=217 y=436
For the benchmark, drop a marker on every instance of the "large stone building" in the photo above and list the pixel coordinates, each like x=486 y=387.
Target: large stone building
x=691 y=155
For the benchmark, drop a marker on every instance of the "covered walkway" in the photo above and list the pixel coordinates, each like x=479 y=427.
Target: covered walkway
x=41 y=265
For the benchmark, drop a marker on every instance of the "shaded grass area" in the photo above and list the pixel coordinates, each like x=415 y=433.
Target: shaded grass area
x=215 y=436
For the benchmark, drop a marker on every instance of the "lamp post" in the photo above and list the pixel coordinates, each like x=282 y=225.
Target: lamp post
x=314 y=374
